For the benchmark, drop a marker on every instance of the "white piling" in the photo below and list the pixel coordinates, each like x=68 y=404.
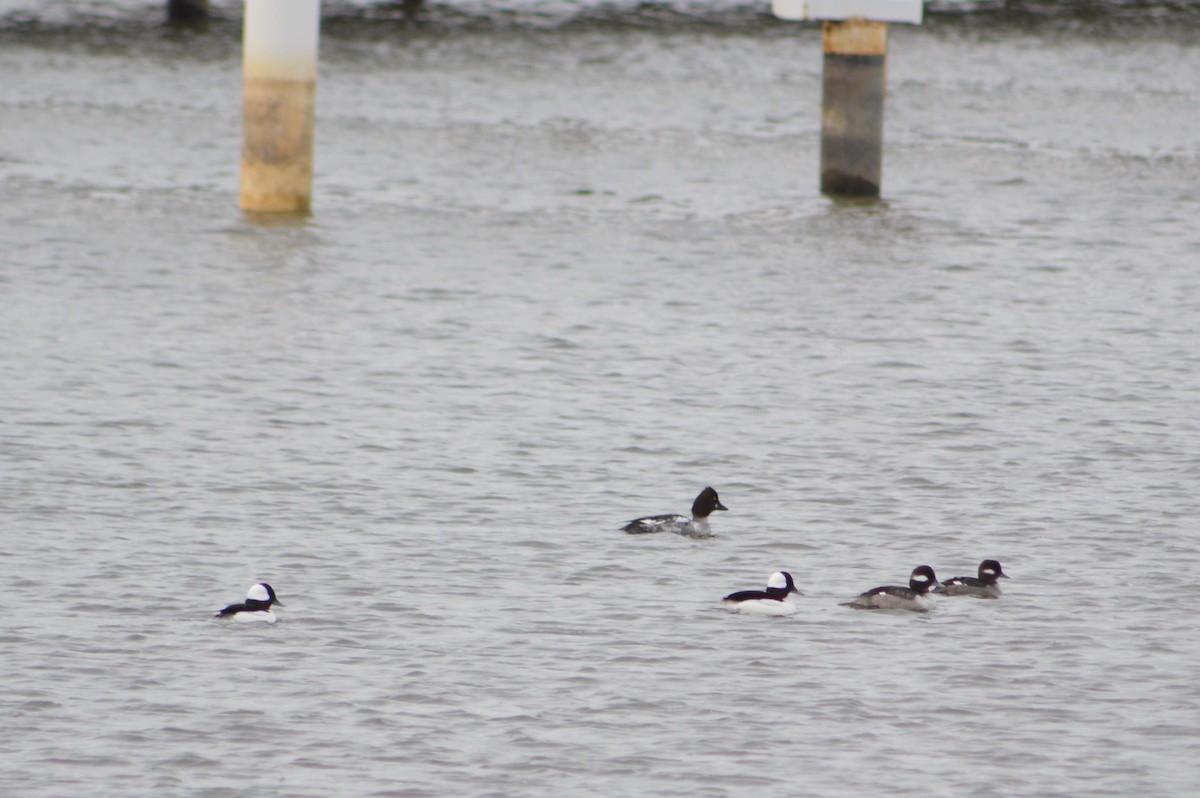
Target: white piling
x=279 y=74
x=854 y=84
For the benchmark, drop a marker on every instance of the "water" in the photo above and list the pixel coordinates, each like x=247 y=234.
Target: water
x=557 y=278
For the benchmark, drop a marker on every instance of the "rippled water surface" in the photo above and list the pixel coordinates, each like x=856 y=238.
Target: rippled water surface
x=556 y=279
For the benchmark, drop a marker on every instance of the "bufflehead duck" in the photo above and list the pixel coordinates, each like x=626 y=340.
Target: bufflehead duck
x=775 y=600
x=695 y=527
x=983 y=587
x=915 y=597
x=256 y=607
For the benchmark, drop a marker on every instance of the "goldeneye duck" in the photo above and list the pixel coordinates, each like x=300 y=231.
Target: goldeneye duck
x=984 y=586
x=775 y=600
x=915 y=597
x=695 y=527
x=256 y=607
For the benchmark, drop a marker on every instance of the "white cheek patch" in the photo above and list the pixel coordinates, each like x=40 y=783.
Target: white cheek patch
x=777 y=580
x=989 y=572
x=920 y=578
x=257 y=593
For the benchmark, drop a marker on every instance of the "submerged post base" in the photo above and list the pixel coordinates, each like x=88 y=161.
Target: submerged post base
x=277 y=144
x=853 y=88
x=840 y=184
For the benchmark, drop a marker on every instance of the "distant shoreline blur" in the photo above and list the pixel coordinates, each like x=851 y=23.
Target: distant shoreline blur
x=108 y=22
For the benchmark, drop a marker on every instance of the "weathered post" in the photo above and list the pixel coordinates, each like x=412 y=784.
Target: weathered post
x=279 y=74
x=853 y=86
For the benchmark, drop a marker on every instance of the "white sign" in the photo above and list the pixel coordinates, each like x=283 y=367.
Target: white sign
x=875 y=10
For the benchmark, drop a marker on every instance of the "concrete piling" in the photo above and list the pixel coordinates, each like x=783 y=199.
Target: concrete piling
x=279 y=72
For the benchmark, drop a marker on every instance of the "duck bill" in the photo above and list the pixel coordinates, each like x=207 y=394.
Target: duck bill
x=720 y=507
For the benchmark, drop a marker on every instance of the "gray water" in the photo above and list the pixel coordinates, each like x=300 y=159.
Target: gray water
x=555 y=279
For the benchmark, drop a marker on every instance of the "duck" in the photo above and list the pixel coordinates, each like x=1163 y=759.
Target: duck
x=257 y=606
x=775 y=600
x=914 y=598
x=983 y=586
x=695 y=527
